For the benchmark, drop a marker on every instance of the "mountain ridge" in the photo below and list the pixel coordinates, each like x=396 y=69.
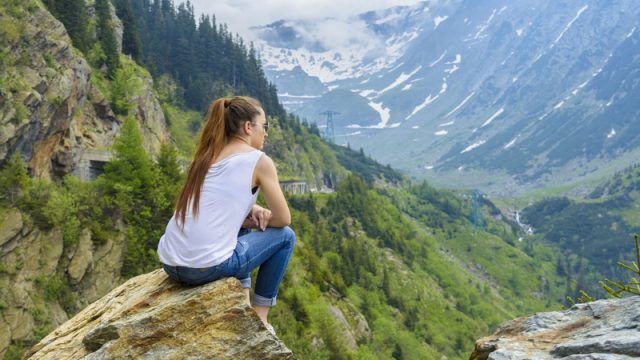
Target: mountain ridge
x=527 y=93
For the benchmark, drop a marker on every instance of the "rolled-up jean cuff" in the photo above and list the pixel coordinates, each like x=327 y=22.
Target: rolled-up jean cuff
x=263 y=301
x=246 y=283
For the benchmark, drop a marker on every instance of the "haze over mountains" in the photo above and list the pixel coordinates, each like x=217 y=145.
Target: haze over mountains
x=499 y=95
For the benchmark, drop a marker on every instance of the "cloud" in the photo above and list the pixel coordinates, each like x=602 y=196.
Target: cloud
x=241 y=15
x=337 y=34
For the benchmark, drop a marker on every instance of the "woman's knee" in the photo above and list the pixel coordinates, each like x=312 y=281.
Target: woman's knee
x=289 y=235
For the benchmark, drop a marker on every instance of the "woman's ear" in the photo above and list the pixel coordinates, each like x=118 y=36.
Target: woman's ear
x=247 y=127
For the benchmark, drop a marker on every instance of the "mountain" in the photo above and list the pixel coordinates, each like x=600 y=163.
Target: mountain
x=492 y=94
x=593 y=233
x=382 y=268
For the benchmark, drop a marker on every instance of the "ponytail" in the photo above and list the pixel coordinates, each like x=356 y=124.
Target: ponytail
x=224 y=119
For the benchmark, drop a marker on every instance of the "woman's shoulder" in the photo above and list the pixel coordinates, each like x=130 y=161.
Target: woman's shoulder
x=264 y=160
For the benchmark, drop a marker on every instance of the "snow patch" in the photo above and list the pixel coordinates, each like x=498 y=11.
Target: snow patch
x=400 y=79
x=438 y=59
x=428 y=167
x=383 y=111
x=630 y=32
x=558 y=105
x=519 y=31
x=495 y=115
x=443 y=88
x=438 y=20
x=406 y=87
x=544 y=115
x=426 y=102
x=460 y=105
x=394 y=125
x=447 y=123
x=441 y=133
x=388 y=18
x=510 y=143
x=452 y=70
x=415 y=127
x=457 y=60
x=569 y=25
x=365 y=93
x=575 y=91
x=299 y=96
x=472 y=146
x=484 y=26
x=611 y=133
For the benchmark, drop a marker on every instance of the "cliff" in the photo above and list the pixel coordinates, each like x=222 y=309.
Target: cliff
x=153 y=317
x=604 y=329
x=42 y=280
x=51 y=107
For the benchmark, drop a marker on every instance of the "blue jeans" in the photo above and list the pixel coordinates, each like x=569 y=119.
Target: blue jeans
x=270 y=250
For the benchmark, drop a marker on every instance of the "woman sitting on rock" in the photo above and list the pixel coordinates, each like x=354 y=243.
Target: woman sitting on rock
x=210 y=234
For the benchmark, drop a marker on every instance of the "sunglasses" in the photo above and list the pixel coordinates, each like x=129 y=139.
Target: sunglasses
x=265 y=126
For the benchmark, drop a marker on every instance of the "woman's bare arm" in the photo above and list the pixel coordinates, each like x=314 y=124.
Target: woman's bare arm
x=267 y=178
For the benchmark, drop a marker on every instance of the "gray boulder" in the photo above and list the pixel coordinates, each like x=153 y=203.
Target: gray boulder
x=599 y=330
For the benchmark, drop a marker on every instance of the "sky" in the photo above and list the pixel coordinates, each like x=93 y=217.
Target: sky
x=240 y=15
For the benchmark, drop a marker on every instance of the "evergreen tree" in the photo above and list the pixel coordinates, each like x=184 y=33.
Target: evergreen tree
x=107 y=37
x=73 y=14
x=131 y=44
x=206 y=60
x=129 y=185
x=13 y=180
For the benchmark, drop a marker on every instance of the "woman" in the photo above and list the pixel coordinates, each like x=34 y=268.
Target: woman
x=209 y=235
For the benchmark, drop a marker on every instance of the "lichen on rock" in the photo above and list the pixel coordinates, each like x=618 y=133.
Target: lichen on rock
x=153 y=317
x=604 y=329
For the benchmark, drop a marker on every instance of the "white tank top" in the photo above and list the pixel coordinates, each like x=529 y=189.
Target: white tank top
x=225 y=201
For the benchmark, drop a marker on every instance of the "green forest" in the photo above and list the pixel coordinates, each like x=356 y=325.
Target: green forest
x=594 y=234
x=383 y=268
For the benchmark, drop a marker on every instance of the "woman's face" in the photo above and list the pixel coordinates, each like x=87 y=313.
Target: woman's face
x=259 y=127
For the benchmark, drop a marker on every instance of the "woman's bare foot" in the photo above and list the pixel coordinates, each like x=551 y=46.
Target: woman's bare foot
x=248 y=296
x=262 y=312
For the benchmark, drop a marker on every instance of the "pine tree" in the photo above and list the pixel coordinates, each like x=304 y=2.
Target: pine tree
x=13 y=180
x=131 y=44
x=129 y=185
x=73 y=14
x=107 y=37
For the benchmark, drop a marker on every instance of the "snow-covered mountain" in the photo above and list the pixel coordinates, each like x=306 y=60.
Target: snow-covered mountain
x=486 y=93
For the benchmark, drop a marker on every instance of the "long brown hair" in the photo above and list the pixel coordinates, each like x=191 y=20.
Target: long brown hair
x=224 y=120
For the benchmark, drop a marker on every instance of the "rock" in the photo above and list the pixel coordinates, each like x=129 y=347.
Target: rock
x=153 y=317
x=5 y=336
x=347 y=335
x=53 y=112
x=105 y=274
x=10 y=225
x=20 y=323
x=82 y=257
x=604 y=329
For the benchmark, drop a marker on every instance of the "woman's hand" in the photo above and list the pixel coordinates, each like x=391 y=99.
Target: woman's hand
x=260 y=216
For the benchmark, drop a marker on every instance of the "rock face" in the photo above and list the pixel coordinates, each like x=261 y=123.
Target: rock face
x=42 y=280
x=604 y=329
x=52 y=110
x=153 y=317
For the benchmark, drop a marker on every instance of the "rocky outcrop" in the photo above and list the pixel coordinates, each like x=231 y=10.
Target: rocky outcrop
x=43 y=280
x=153 y=317
x=50 y=108
x=604 y=329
